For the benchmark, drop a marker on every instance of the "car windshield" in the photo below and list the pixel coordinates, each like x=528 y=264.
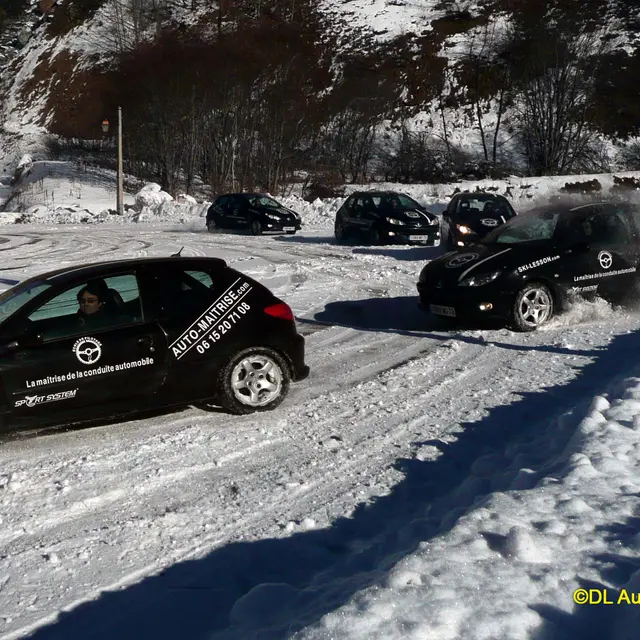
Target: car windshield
x=484 y=205
x=395 y=201
x=15 y=298
x=530 y=227
x=264 y=201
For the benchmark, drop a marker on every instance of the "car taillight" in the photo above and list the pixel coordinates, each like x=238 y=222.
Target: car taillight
x=280 y=310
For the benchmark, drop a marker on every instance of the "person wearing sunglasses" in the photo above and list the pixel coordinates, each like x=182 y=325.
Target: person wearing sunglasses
x=91 y=302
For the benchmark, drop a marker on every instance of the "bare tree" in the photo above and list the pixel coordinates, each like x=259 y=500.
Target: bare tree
x=485 y=77
x=553 y=102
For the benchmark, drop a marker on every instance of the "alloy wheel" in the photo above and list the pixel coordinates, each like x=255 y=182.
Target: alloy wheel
x=257 y=380
x=535 y=307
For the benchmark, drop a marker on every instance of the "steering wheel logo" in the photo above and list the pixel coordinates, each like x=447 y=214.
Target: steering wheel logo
x=461 y=260
x=88 y=350
x=605 y=259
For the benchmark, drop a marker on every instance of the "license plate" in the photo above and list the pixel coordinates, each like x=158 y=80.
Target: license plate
x=419 y=238
x=439 y=310
x=289 y=228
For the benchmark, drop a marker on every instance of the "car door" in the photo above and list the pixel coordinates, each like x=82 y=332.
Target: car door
x=599 y=253
x=347 y=213
x=362 y=214
x=70 y=366
x=239 y=211
x=222 y=207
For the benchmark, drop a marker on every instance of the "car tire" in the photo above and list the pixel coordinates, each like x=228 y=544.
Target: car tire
x=255 y=379
x=532 y=307
x=256 y=228
x=340 y=231
x=211 y=226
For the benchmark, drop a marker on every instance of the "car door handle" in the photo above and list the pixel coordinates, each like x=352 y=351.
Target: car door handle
x=146 y=342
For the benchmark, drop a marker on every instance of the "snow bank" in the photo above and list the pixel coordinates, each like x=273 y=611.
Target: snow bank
x=529 y=544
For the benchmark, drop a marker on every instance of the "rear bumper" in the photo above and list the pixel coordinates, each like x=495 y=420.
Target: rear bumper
x=295 y=351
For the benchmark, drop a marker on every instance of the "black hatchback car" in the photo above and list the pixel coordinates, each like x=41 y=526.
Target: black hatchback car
x=537 y=262
x=149 y=332
x=386 y=217
x=470 y=216
x=256 y=212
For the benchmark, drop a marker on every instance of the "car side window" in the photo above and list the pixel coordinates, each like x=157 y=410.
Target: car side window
x=239 y=203
x=176 y=291
x=222 y=203
x=202 y=277
x=97 y=304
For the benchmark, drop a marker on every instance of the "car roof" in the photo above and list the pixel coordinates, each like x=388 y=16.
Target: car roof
x=380 y=193
x=570 y=207
x=93 y=269
x=476 y=194
x=248 y=194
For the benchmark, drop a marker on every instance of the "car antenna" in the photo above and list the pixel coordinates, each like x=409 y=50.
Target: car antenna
x=177 y=255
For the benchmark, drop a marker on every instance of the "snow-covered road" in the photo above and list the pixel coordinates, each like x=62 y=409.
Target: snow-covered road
x=159 y=526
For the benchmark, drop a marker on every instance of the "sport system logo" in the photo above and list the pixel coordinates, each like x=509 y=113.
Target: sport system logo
x=88 y=350
x=33 y=401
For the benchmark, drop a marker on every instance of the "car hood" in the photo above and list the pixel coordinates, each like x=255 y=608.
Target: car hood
x=281 y=212
x=482 y=224
x=455 y=266
x=411 y=216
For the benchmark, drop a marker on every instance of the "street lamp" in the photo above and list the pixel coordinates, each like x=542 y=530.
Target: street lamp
x=120 y=186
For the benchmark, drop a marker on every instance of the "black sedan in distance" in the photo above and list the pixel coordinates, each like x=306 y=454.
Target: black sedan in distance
x=533 y=265
x=106 y=339
x=470 y=216
x=256 y=212
x=383 y=217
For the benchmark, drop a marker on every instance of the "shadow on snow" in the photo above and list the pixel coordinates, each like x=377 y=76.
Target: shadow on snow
x=280 y=585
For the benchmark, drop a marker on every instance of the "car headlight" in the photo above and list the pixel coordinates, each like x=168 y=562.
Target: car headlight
x=271 y=216
x=463 y=229
x=479 y=280
x=394 y=221
x=434 y=222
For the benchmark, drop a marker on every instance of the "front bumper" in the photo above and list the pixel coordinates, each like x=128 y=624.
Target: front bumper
x=277 y=226
x=425 y=236
x=465 y=302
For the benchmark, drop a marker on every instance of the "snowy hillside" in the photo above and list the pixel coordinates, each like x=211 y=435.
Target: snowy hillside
x=56 y=82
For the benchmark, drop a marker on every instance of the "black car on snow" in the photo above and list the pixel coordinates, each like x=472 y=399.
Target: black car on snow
x=256 y=212
x=535 y=263
x=163 y=331
x=386 y=217
x=470 y=216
